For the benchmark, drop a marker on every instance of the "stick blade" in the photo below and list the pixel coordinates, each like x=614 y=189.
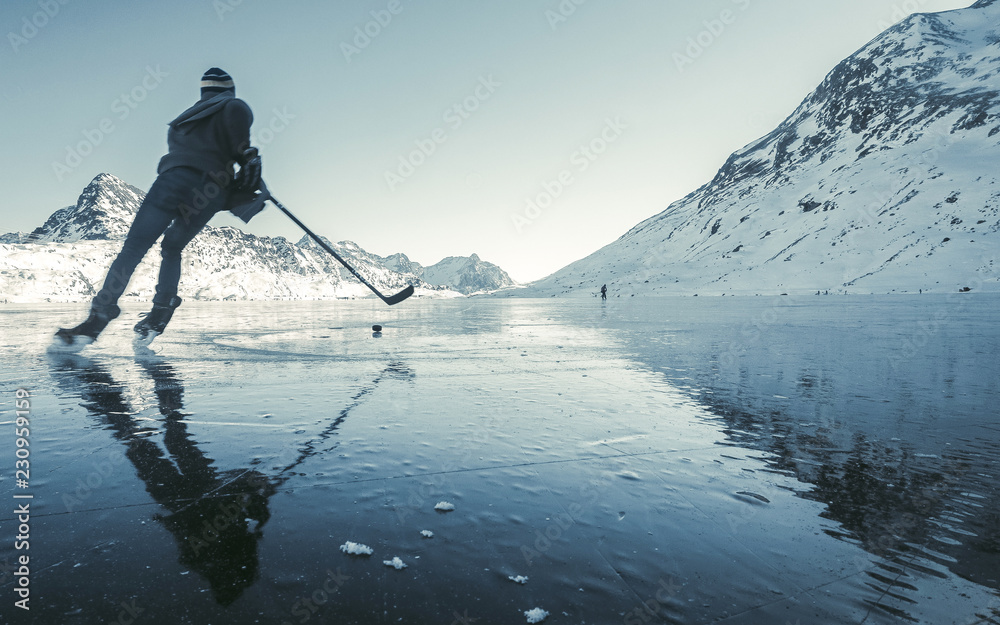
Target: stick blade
x=398 y=297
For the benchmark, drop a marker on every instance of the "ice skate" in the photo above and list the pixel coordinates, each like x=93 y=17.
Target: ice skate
x=74 y=339
x=154 y=323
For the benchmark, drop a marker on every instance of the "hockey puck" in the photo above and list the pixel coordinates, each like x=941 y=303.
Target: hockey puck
x=376 y=328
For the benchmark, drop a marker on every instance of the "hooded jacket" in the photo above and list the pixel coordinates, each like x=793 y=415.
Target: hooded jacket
x=210 y=136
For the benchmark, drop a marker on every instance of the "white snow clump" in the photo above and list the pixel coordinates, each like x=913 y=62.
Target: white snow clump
x=395 y=563
x=356 y=549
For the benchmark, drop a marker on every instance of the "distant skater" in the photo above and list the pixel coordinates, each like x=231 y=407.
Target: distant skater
x=604 y=291
x=196 y=179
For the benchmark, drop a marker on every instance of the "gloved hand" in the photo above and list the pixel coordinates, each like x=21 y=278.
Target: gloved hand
x=248 y=177
x=246 y=204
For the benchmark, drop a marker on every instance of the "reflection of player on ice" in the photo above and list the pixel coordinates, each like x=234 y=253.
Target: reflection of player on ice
x=604 y=291
x=216 y=516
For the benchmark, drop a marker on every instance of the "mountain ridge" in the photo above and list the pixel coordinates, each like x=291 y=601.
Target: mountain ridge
x=67 y=257
x=876 y=182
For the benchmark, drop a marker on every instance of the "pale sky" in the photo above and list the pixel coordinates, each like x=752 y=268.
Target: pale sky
x=423 y=127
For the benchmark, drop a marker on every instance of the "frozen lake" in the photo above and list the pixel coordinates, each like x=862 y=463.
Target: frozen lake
x=822 y=459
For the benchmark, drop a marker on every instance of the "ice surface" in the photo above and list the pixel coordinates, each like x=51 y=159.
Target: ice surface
x=689 y=460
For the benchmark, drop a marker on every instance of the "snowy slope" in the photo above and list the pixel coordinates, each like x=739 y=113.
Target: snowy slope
x=402 y=264
x=103 y=211
x=66 y=259
x=465 y=274
x=886 y=177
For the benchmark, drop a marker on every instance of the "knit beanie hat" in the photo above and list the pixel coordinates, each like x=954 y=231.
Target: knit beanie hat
x=215 y=81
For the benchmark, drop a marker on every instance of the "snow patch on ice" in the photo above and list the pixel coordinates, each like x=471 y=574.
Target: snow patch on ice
x=444 y=506
x=520 y=579
x=535 y=615
x=395 y=563
x=427 y=533
x=356 y=549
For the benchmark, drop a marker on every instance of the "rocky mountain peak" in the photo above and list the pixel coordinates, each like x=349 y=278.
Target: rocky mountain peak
x=103 y=211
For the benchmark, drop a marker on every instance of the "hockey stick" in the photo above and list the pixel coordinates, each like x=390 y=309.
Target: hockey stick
x=392 y=299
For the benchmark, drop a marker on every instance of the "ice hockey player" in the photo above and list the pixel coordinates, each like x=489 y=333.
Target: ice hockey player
x=196 y=179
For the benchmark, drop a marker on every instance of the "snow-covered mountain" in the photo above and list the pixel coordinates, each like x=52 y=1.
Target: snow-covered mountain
x=103 y=211
x=66 y=260
x=885 y=178
x=465 y=274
